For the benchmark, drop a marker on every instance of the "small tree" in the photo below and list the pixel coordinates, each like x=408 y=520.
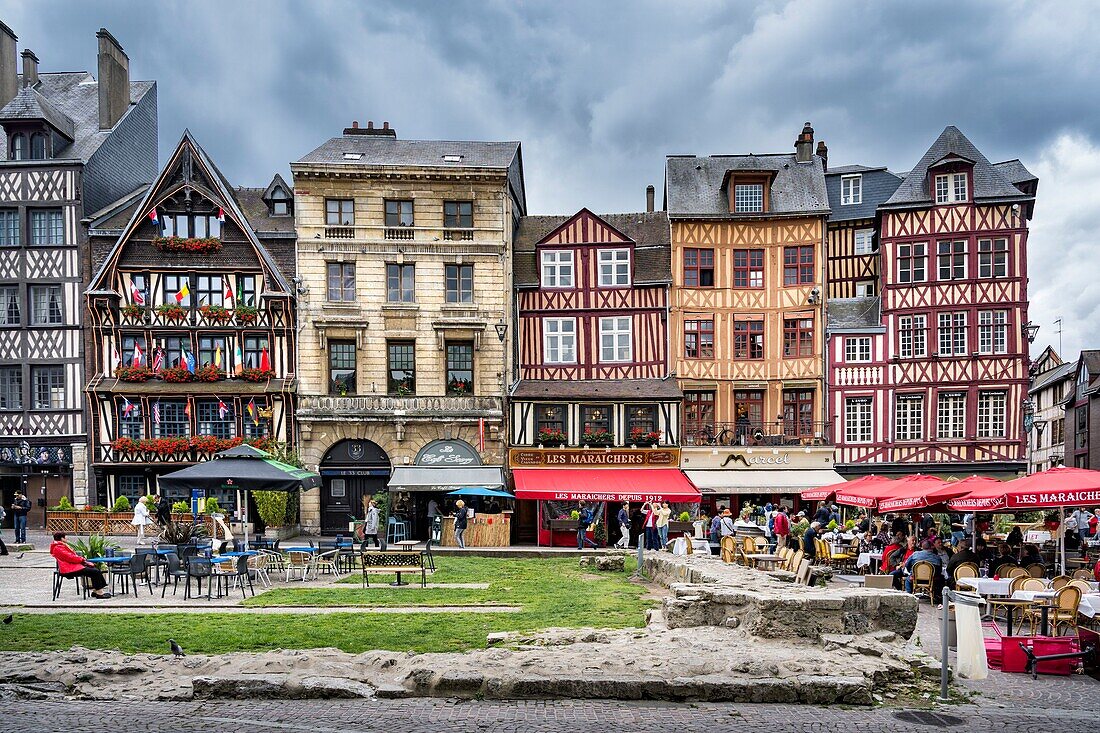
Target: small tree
x=122 y=504
x=279 y=508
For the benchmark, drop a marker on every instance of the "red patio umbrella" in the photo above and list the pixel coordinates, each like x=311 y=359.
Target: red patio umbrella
x=1051 y=489
x=920 y=491
x=828 y=493
x=865 y=491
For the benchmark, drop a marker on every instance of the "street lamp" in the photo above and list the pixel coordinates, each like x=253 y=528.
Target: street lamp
x=1031 y=330
x=502 y=330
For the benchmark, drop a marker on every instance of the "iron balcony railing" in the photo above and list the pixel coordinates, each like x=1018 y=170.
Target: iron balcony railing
x=748 y=434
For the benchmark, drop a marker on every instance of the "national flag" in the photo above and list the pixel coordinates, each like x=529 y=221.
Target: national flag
x=127 y=407
x=135 y=294
x=156 y=412
x=116 y=360
x=228 y=295
x=189 y=361
x=153 y=218
x=239 y=368
x=139 y=355
x=253 y=412
x=187 y=409
x=218 y=356
x=223 y=409
x=265 y=361
x=221 y=215
x=158 y=359
x=182 y=294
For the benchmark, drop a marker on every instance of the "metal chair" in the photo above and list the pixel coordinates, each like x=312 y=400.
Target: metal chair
x=328 y=562
x=241 y=576
x=199 y=570
x=428 y=556
x=297 y=561
x=174 y=571
x=59 y=581
x=395 y=530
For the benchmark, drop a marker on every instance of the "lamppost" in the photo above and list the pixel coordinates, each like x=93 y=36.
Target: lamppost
x=1031 y=330
x=502 y=333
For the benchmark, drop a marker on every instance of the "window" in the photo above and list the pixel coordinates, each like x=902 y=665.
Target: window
x=559 y=340
x=215 y=417
x=211 y=350
x=798 y=265
x=857 y=348
x=641 y=418
x=460 y=369
x=550 y=418
x=798 y=337
x=614 y=267
x=132 y=425
x=341 y=281
x=748 y=339
x=913 y=262
x=210 y=290
x=204 y=226
x=1058 y=431
x=798 y=412
x=909 y=417
x=460 y=283
x=851 y=190
x=38 y=146
x=400 y=281
x=246 y=290
x=253 y=420
x=863 y=241
x=9 y=228
x=748 y=268
x=280 y=202
x=951 y=188
x=698 y=268
x=341 y=367
x=46 y=305
x=174 y=348
x=865 y=289
x=596 y=418
x=748 y=198
x=952 y=260
x=18 y=146
x=857 y=420
x=993 y=332
x=615 y=339
x=11 y=388
x=699 y=338
x=557 y=268
x=48 y=384
x=749 y=405
x=252 y=353
x=340 y=212
x=47 y=226
x=399 y=213
x=991 y=414
x=992 y=258
x=952 y=334
x=951 y=415
x=698 y=412
x=9 y=305
x=458 y=214
x=173 y=284
x=912 y=336
x=402 y=368
x=134 y=345
x=174 y=419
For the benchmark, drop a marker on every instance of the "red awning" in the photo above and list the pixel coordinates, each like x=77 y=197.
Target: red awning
x=920 y=491
x=849 y=489
x=604 y=484
x=1063 y=486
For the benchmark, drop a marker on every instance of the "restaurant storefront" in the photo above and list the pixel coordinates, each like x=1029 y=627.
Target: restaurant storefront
x=736 y=476
x=550 y=483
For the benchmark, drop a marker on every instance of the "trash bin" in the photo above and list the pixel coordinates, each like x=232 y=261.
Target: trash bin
x=970 y=661
x=952 y=627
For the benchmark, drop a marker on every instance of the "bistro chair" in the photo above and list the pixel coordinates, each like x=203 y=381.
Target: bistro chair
x=199 y=570
x=966 y=570
x=1059 y=582
x=923 y=574
x=994 y=603
x=395 y=530
x=1003 y=571
x=174 y=571
x=429 y=558
x=328 y=562
x=59 y=581
x=257 y=565
x=136 y=571
x=1036 y=570
x=240 y=576
x=1016 y=572
x=1081 y=575
x=1081 y=585
x=1063 y=610
x=1033 y=584
x=299 y=562
x=796 y=560
x=728 y=549
x=762 y=545
x=274 y=561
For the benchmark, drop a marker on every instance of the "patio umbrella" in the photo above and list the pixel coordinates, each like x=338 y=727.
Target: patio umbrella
x=480 y=491
x=921 y=491
x=865 y=491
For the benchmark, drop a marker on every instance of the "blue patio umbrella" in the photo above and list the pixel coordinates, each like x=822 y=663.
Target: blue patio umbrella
x=480 y=491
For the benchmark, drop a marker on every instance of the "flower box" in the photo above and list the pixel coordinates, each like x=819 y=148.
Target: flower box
x=562 y=525
x=133 y=312
x=166 y=447
x=643 y=439
x=190 y=245
x=133 y=373
x=246 y=315
x=257 y=375
x=552 y=438
x=172 y=312
x=216 y=314
x=208 y=373
x=678 y=527
x=597 y=439
x=176 y=375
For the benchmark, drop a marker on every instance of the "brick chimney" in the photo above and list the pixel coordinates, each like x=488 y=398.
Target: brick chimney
x=9 y=75
x=649 y=198
x=30 y=68
x=823 y=153
x=114 y=80
x=804 y=145
x=385 y=130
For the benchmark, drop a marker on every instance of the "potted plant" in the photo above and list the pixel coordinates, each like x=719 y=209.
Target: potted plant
x=831 y=526
x=460 y=386
x=133 y=373
x=597 y=438
x=64 y=505
x=121 y=505
x=403 y=389
x=208 y=373
x=275 y=509
x=213 y=508
x=176 y=375
x=172 y=312
x=551 y=438
x=246 y=314
x=183 y=533
x=190 y=245
x=257 y=375
x=216 y=314
x=133 y=311
x=682 y=523
x=181 y=507
x=204 y=443
x=94 y=545
x=644 y=439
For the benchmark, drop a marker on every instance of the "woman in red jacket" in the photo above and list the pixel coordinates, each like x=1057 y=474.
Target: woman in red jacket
x=72 y=565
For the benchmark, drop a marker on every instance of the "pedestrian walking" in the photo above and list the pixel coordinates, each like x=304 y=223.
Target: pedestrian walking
x=461 y=518
x=19 y=510
x=652 y=539
x=164 y=510
x=714 y=523
x=370 y=525
x=141 y=519
x=781 y=527
x=3 y=547
x=624 y=526
x=584 y=521
x=664 y=516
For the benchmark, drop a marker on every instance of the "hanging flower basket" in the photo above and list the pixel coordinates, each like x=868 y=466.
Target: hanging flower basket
x=552 y=438
x=215 y=313
x=176 y=375
x=133 y=312
x=192 y=245
x=126 y=445
x=246 y=314
x=172 y=312
x=208 y=373
x=165 y=447
x=257 y=375
x=133 y=373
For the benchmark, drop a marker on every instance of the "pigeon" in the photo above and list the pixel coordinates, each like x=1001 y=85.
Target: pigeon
x=177 y=650
x=20 y=556
x=8 y=619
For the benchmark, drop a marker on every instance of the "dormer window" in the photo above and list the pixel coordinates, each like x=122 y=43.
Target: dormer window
x=614 y=268
x=951 y=188
x=748 y=198
x=557 y=268
x=851 y=190
x=18 y=146
x=38 y=146
x=280 y=202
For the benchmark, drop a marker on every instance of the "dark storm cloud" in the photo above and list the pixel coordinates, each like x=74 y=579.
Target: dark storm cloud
x=600 y=92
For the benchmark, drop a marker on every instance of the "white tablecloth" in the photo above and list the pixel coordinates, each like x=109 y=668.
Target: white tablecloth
x=865 y=558
x=1031 y=595
x=988 y=586
x=679 y=546
x=1090 y=605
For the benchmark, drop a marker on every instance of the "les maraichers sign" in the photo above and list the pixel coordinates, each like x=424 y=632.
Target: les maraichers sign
x=566 y=457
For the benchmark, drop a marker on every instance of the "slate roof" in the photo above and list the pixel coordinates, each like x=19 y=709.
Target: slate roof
x=598 y=389
x=72 y=97
x=259 y=215
x=878 y=185
x=1015 y=172
x=989 y=182
x=1052 y=376
x=649 y=232
x=694 y=186
x=853 y=314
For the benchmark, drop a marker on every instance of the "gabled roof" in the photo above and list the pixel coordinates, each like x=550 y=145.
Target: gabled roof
x=853 y=314
x=649 y=231
x=1015 y=172
x=990 y=184
x=222 y=190
x=694 y=186
x=1050 y=377
x=878 y=184
x=28 y=104
x=277 y=182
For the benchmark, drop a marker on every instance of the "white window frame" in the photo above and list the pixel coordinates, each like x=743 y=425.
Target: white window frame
x=753 y=197
x=559 y=340
x=857 y=349
x=616 y=339
x=557 y=268
x=993 y=332
x=992 y=413
x=858 y=420
x=947 y=188
x=863 y=241
x=951 y=333
x=614 y=268
x=851 y=189
x=913 y=336
x=951 y=415
x=865 y=289
x=909 y=417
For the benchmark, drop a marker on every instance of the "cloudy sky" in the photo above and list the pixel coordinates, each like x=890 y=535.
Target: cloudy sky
x=600 y=92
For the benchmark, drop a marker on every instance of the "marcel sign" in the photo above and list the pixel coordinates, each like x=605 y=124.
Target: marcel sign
x=756 y=459
x=566 y=458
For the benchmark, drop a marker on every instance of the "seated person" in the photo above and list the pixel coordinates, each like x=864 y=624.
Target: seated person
x=1015 y=537
x=809 y=547
x=898 y=560
x=986 y=555
x=1031 y=556
x=962 y=555
x=926 y=553
x=1005 y=556
x=72 y=565
x=867 y=542
x=940 y=549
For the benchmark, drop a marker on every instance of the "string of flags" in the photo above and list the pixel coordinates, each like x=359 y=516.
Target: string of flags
x=224 y=411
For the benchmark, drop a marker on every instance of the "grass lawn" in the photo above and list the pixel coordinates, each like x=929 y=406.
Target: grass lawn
x=551 y=592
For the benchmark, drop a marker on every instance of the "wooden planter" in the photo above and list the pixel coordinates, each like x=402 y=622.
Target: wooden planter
x=110 y=523
x=562 y=525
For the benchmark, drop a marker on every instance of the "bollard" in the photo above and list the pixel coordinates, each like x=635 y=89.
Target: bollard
x=638 y=570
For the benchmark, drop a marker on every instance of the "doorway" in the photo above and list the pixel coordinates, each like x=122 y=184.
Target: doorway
x=350 y=470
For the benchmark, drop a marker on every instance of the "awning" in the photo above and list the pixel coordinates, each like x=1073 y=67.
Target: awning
x=426 y=478
x=1061 y=486
x=789 y=481
x=603 y=484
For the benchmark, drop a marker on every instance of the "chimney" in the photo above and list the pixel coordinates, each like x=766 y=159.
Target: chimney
x=9 y=75
x=804 y=145
x=649 y=198
x=30 y=68
x=114 y=80
x=370 y=129
x=823 y=153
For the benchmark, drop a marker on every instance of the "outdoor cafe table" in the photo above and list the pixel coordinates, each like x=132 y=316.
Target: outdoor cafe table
x=766 y=559
x=865 y=560
x=114 y=560
x=988 y=586
x=698 y=545
x=1009 y=604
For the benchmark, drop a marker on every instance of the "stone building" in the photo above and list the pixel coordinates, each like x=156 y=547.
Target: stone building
x=1045 y=422
x=404 y=260
x=72 y=145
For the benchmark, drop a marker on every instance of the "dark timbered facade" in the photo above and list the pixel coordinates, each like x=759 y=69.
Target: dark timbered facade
x=855 y=191
x=72 y=144
x=192 y=319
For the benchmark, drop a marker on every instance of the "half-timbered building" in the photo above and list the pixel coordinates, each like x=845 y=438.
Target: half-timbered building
x=72 y=144
x=748 y=268
x=192 y=325
x=595 y=389
x=855 y=191
x=953 y=260
x=1051 y=383
x=1081 y=403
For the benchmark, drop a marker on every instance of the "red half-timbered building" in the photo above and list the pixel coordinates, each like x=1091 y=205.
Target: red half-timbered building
x=953 y=262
